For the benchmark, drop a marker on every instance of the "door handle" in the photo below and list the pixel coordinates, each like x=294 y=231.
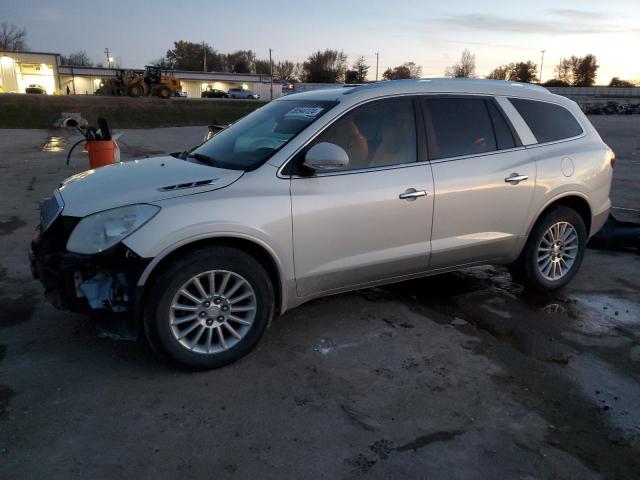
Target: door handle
x=514 y=178
x=411 y=194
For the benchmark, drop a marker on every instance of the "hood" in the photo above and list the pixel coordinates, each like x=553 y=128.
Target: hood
x=139 y=181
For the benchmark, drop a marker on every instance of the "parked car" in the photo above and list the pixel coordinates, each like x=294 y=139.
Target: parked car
x=36 y=89
x=325 y=192
x=180 y=93
x=214 y=93
x=243 y=93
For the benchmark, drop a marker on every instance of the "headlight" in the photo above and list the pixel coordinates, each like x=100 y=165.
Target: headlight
x=103 y=230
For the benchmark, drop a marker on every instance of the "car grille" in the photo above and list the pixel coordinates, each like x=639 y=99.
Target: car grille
x=50 y=208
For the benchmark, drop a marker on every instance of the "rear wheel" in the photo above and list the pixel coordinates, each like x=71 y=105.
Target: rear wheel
x=210 y=307
x=554 y=251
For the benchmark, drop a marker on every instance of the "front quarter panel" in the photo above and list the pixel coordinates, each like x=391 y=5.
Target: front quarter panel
x=256 y=208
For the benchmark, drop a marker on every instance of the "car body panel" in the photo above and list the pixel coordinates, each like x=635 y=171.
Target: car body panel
x=139 y=181
x=477 y=215
x=352 y=227
x=331 y=233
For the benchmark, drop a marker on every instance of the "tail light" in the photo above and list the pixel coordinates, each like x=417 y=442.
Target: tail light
x=612 y=156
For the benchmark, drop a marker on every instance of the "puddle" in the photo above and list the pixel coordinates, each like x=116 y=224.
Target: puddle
x=54 y=144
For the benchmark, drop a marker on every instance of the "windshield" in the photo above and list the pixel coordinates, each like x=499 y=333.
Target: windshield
x=251 y=141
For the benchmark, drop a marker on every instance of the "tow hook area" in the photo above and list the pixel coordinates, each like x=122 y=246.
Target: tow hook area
x=104 y=291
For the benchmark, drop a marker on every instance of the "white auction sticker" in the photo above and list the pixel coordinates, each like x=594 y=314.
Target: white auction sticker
x=306 y=111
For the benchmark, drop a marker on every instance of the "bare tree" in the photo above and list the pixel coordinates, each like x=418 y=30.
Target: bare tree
x=466 y=68
x=12 y=38
x=78 y=59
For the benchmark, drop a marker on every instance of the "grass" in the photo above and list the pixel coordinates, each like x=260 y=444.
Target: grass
x=40 y=111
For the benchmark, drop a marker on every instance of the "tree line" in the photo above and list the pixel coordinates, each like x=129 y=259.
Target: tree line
x=331 y=66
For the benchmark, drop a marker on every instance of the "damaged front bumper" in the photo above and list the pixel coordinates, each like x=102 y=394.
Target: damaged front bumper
x=103 y=282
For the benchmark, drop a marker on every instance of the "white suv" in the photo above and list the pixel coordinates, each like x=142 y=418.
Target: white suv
x=324 y=192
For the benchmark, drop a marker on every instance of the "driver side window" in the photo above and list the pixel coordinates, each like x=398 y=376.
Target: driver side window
x=375 y=135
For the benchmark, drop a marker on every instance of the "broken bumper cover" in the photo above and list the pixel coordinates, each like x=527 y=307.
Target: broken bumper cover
x=84 y=283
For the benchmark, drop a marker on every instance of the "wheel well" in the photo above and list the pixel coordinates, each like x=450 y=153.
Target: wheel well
x=578 y=204
x=256 y=251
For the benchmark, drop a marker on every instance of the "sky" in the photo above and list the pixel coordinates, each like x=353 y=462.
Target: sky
x=430 y=33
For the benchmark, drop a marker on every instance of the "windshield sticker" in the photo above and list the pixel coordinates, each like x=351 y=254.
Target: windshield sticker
x=306 y=111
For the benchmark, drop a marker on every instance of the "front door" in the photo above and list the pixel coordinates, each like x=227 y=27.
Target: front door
x=372 y=220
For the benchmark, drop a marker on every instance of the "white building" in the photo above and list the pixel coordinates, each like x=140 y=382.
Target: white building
x=18 y=70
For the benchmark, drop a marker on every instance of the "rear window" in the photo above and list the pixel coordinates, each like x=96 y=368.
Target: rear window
x=547 y=121
x=465 y=126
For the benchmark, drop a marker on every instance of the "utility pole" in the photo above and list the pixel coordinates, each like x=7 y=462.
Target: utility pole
x=204 y=50
x=271 y=72
x=109 y=59
x=541 y=63
x=377 y=58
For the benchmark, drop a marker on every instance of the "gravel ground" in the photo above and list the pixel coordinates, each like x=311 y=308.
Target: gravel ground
x=461 y=375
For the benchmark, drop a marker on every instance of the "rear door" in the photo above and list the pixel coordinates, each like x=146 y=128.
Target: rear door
x=484 y=180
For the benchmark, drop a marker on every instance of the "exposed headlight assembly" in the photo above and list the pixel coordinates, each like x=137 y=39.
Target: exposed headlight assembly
x=101 y=231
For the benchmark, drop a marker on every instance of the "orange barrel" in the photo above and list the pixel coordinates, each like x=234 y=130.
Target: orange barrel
x=102 y=152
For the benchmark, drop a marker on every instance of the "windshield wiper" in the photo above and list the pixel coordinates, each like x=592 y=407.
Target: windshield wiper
x=203 y=158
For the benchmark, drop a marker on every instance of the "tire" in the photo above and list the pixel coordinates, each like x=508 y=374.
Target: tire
x=134 y=91
x=535 y=267
x=164 y=93
x=166 y=323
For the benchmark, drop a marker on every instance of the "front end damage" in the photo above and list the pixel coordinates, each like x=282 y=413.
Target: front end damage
x=102 y=283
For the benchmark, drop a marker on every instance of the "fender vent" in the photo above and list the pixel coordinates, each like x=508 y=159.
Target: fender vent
x=180 y=186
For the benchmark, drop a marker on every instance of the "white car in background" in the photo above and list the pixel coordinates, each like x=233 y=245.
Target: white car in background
x=242 y=93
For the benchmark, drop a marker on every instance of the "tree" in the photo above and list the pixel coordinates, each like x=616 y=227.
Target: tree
x=618 y=82
x=500 y=73
x=406 y=70
x=585 y=74
x=525 y=72
x=578 y=71
x=556 y=82
x=466 y=68
x=358 y=72
x=286 y=70
x=262 y=67
x=240 y=61
x=78 y=59
x=325 y=67
x=12 y=38
x=515 y=72
x=163 y=63
x=190 y=56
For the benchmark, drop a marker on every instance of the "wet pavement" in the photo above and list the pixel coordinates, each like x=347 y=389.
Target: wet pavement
x=463 y=375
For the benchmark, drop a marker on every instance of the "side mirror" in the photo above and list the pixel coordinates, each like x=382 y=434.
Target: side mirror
x=326 y=156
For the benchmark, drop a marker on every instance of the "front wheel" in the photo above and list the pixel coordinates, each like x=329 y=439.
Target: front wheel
x=209 y=308
x=554 y=251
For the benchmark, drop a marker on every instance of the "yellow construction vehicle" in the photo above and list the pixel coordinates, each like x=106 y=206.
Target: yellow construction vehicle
x=135 y=84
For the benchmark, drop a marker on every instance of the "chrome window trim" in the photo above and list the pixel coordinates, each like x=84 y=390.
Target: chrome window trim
x=279 y=173
x=473 y=155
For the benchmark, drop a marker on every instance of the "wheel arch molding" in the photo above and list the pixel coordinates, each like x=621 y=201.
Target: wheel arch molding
x=261 y=251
